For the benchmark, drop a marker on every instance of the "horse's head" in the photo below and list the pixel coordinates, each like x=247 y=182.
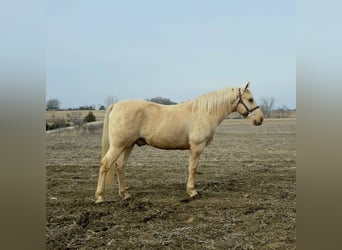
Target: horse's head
x=246 y=105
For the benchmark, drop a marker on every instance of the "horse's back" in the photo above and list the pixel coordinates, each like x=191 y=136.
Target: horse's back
x=134 y=110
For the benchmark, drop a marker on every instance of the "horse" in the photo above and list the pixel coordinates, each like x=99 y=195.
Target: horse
x=189 y=125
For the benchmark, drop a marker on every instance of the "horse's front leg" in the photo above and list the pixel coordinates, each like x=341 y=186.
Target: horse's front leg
x=195 y=153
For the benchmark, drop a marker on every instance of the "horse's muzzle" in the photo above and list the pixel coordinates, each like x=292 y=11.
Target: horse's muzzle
x=258 y=122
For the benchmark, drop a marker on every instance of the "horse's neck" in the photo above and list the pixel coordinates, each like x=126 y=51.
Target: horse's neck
x=215 y=118
x=218 y=117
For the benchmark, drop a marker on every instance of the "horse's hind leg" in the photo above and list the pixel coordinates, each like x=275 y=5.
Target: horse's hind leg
x=108 y=160
x=120 y=172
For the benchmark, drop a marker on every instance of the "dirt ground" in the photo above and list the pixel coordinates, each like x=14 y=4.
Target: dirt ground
x=246 y=178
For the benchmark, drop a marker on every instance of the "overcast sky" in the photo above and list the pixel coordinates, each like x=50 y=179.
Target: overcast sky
x=174 y=49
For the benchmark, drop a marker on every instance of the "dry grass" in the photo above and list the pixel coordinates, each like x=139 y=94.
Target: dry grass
x=62 y=114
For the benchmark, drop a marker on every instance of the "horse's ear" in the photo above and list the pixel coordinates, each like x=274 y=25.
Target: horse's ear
x=247 y=85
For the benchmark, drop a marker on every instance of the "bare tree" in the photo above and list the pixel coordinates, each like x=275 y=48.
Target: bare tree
x=110 y=100
x=283 y=108
x=53 y=104
x=266 y=105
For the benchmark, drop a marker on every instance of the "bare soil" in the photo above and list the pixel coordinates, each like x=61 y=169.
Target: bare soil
x=246 y=178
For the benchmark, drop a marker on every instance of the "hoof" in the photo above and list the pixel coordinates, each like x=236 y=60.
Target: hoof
x=191 y=198
x=126 y=196
x=99 y=199
x=192 y=193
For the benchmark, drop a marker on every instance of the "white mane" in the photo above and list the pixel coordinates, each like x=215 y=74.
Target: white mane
x=217 y=101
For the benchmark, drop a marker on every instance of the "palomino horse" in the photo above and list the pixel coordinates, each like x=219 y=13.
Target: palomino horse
x=188 y=125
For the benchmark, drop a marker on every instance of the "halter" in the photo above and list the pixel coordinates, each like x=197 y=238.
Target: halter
x=248 y=111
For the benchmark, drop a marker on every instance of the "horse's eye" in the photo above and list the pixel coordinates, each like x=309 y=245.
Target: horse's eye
x=250 y=100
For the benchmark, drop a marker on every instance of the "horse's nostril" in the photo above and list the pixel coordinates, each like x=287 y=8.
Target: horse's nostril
x=261 y=119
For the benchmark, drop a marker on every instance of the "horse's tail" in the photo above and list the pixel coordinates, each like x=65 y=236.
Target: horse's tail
x=105 y=139
x=109 y=180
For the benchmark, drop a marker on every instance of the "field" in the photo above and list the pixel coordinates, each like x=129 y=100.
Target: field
x=62 y=114
x=246 y=178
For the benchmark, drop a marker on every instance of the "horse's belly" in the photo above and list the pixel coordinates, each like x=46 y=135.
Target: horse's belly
x=168 y=143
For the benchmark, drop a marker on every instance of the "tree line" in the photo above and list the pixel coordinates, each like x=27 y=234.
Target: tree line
x=266 y=104
x=55 y=104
